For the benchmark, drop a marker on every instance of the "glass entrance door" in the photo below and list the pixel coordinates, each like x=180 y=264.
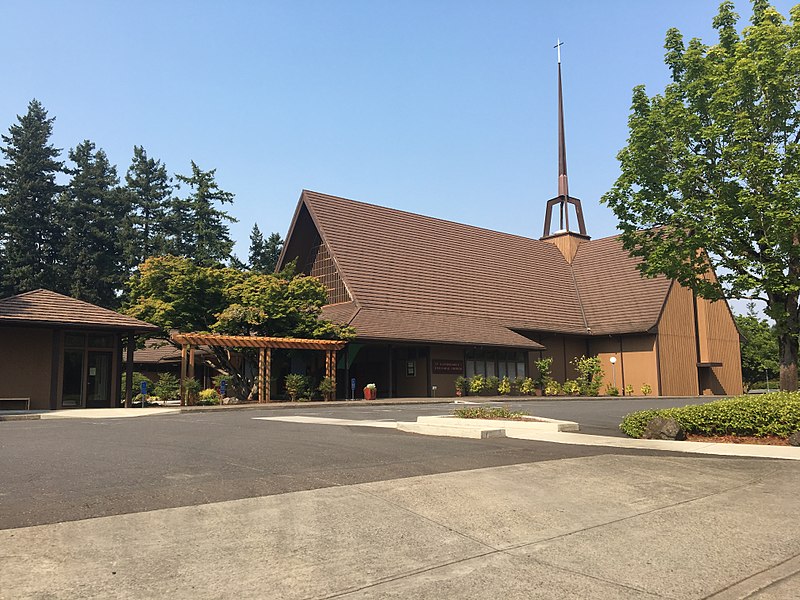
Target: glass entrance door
x=98 y=379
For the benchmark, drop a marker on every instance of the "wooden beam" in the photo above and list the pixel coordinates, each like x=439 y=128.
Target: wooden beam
x=267 y=374
x=262 y=359
x=190 y=375
x=129 y=370
x=327 y=370
x=184 y=349
x=333 y=374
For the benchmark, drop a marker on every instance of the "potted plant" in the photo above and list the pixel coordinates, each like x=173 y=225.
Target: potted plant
x=370 y=391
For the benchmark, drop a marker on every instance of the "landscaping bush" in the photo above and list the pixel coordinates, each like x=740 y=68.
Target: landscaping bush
x=492 y=383
x=504 y=387
x=168 y=387
x=208 y=397
x=326 y=387
x=553 y=388
x=487 y=412
x=629 y=390
x=528 y=386
x=477 y=383
x=297 y=386
x=192 y=387
x=545 y=368
x=590 y=375
x=612 y=390
x=462 y=385
x=646 y=389
x=775 y=414
x=571 y=387
x=137 y=380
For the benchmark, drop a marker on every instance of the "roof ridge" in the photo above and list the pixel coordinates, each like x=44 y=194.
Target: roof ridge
x=20 y=295
x=418 y=215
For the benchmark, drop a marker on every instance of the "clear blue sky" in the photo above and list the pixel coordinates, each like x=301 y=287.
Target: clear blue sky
x=446 y=108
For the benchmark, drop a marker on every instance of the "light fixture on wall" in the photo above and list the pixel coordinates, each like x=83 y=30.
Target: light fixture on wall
x=613 y=361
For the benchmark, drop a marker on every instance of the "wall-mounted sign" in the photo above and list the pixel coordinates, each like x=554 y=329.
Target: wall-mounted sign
x=447 y=367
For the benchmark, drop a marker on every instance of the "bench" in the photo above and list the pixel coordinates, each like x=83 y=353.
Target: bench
x=25 y=401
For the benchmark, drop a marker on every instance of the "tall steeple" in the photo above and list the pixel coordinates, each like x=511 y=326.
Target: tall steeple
x=570 y=245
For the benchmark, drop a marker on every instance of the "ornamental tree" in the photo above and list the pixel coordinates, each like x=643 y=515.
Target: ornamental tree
x=710 y=177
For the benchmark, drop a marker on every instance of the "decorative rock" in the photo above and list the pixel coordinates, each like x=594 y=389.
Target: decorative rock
x=794 y=439
x=661 y=428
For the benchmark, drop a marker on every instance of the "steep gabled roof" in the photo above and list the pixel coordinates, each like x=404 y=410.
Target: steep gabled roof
x=408 y=274
x=50 y=308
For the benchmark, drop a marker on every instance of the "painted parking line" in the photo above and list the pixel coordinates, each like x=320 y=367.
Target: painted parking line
x=385 y=424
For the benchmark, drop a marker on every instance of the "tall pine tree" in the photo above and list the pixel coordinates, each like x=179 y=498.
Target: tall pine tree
x=199 y=230
x=263 y=256
x=29 y=237
x=92 y=208
x=149 y=191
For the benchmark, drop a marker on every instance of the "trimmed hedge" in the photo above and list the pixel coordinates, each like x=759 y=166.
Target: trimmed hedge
x=763 y=415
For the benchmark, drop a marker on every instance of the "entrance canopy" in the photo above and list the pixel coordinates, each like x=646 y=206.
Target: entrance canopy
x=189 y=341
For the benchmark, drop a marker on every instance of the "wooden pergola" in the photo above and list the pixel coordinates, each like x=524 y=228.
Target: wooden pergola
x=190 y=341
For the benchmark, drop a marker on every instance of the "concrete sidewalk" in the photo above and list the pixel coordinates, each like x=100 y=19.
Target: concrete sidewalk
x=589 y=528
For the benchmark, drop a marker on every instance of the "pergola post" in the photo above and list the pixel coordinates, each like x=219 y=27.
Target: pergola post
x=333 y=374
x=262 y=367
x=328 y=370
x=184 y=349
x=267 y=374
x=190 y=375
x=129 y=370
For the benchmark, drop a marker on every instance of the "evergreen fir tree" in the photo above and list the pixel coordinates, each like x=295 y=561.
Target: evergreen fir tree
x=92 y=209
x=149 y=189
x=199 y=229
x=29 y=238
x=264 y=255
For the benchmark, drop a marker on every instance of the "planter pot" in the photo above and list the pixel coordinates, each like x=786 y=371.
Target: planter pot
x=370 y=394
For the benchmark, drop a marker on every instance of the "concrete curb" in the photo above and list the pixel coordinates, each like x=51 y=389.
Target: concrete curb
x=541 y=423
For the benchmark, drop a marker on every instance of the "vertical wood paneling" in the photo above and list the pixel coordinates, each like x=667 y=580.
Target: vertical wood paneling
x=677 y=344
x=718 y=329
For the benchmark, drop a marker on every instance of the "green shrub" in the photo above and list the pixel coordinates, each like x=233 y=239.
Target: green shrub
x=504 y=387
x=137 y=380
x=571 y=387
x=765 y=415
x=477 y=383
x=629 y=390
x=545 y=368
x=207 y=397
x=552 y=388
x=612 y=390
x=192 y=387
x=296 y=386
x=462 y=385
x=528 y=386
x=168 y=387
x=486 y=412
x=326 y=387
x=590 y=375
x=492 y=384
x=646 y=389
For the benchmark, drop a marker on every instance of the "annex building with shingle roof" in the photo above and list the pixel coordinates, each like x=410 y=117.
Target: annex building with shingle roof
x=431 y=299
x=58 y=352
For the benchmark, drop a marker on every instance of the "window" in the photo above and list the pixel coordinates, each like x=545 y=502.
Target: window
x=491 y=363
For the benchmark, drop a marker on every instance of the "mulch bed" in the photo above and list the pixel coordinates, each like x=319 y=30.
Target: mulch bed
x=738 y=439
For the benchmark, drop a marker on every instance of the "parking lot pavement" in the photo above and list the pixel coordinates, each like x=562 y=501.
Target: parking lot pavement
x=606 y=526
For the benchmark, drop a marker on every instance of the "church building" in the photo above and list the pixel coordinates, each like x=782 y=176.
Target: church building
x=432 y=300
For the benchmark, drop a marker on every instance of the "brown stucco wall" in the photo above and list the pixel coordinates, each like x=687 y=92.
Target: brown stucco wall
x=26 y=365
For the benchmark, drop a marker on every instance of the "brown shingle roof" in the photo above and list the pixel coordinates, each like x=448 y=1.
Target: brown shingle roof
x=410 y=274
x=50 y=308
x=615 y=297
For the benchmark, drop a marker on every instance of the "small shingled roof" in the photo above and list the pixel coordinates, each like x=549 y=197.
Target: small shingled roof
x=43 y=307
x=419 y=278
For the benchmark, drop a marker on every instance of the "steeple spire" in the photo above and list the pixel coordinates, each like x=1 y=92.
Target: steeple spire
x=563 y=185
x=563 y=200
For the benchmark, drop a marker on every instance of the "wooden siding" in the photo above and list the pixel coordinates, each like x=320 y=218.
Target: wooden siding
x=678 y=345
x=26 y=364
x=719 y=343
x=567 y=243
x=636 y=361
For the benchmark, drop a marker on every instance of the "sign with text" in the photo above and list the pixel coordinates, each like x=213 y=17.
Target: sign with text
x=447 y=367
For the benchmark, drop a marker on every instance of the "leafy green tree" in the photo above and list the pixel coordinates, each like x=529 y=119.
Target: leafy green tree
x=759 y=348
x=264 y=255
x=199 y=229
x=91 y=209
x=29 y=236
x=149 y=190
x=176 y=293
x=710 y=177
